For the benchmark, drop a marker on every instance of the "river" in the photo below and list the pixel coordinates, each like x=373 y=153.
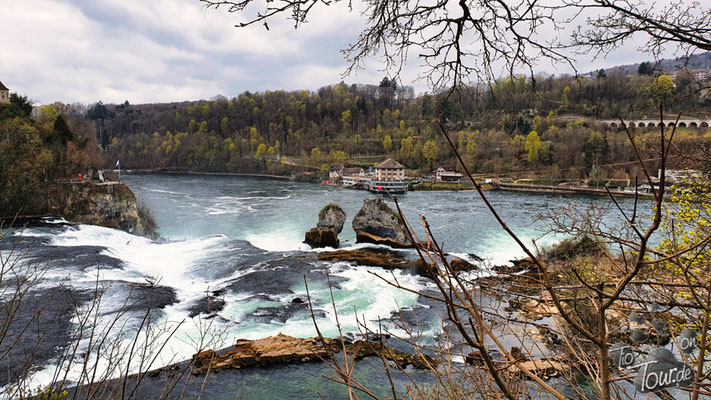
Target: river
x=241 y=239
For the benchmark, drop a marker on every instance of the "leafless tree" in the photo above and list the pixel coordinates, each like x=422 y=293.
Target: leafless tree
x=482 y=40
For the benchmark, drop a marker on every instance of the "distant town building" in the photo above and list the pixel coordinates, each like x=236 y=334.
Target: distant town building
x=390 y=170
x=353 y=171
x=336 y=171
x=702 y=76
x=389 y=177
x=680 y=175
x=4 y=94
x=443 y=175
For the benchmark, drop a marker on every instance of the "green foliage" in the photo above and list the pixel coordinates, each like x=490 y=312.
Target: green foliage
x=369 y=120
x=324 y=170
x=407 y=148
x=261 y=151
x=42 y=393
x=387 y=143
x=19 y=106
x=430 y=152
x=346 y=120
x=533 y=146
x=34 y=153
x=60 y=132
x=316 y=155
x=574 y=247
x=564 y=100
x=662 y=88
x=686 y=224
x=595 y=150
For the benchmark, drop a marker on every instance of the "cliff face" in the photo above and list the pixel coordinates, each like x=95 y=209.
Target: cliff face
x=110 y=205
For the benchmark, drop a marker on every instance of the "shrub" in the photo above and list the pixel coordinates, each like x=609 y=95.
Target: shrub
x=572 y=247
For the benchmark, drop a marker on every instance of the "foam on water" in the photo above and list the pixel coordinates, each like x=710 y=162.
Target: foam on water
x=226 y=206
x=280 y=240
x=169 y=262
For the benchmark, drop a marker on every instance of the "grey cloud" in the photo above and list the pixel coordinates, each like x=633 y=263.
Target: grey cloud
x=164 y=50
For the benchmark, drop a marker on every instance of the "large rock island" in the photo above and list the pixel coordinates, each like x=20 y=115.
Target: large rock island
x=112 y=205
x=379 y=224
x=330 y=223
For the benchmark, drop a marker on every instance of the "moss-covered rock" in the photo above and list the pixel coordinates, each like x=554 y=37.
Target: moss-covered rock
x=332 y=216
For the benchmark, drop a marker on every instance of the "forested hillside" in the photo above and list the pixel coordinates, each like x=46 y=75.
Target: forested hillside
x=544 y=127
x=36 y=150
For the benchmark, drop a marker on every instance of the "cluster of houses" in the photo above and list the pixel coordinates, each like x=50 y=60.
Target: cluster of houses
x=388 y=176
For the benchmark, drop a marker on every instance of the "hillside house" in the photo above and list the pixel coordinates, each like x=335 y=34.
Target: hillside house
x=4 y=94
x=443 y=175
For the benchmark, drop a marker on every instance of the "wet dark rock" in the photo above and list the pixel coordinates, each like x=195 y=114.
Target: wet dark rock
x=459 y=265
x=297 y=300
x=364 y=348
x=474 y=358
x=322 y=237
x=79 y=257
x=207 y=305
x=330 y=224
x=524 y=264
x=49 y=311
x=269 y=281
x=143 y=297
x=376 y=218
x=375 y=258
x=113 y=206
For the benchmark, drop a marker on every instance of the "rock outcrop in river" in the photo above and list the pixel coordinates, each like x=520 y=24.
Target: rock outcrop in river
x=378 y=223
x=282 y=349
x=332 y=216
x=108 y=205
x=330 y=224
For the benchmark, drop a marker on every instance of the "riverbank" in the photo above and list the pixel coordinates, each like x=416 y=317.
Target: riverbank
x=183 y=172
x=577 y=190
x=447 y=187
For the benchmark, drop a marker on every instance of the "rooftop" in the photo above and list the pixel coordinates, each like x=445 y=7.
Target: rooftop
x=3 y=87
x=390 y=164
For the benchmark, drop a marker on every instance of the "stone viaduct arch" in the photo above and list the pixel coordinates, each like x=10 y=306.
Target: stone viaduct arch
x=651 y=123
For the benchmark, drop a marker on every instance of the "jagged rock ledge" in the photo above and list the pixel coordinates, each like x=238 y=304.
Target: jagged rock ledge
x=391 y=259
x=283 y=349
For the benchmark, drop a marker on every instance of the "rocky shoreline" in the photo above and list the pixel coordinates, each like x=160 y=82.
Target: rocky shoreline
x=111 y=205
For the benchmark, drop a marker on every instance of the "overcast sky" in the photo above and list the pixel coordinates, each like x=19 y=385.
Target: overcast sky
x=173 y=50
